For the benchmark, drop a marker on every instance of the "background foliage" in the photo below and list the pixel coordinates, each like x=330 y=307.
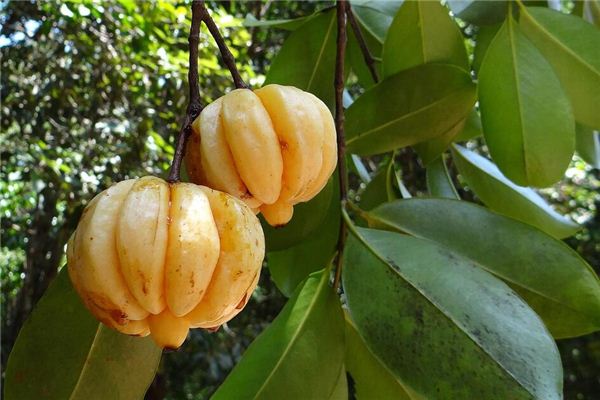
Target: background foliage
x=93 y=93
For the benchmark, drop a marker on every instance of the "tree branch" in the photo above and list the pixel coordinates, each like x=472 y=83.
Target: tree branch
x=341 y=8
x=225 y=53
x=369 y=60
x=194 y=106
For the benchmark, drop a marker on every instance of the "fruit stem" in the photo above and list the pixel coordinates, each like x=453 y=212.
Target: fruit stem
x=228 y=58
x=369 y=60
x=341 y=7
x=194 y=106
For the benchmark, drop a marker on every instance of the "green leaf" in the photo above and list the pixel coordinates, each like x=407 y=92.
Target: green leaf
x=479 y=12
x=444 y=327
x=504 y=197
x=340 y=391
x=306 y=220
x=588 y=145
x=410 y=107
x=63 y=352
x=379 y=190
x=372 y=379
x=439 y=182
x=472 y=128
x=527 y=119
x=570 y=44
x=307 y=58
x=375 y=15
x=431 y=150
x=557 y=283
x=287 y=24
x=299 y=356
x=291 y=266
x=422 y=32
x=485 y=35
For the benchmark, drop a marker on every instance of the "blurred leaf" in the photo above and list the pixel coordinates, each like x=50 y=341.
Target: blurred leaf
x=410 y=107
x=306 y=220
x=375 y=15
x=360 y=168
x=291 y=266
x=439 y=182
x=485 y=35
x=431 y=150
x=588 y=145
x=570 y=45
x=287 y=24
x=557 y=283
x=340 y=391
x=63 y=352
x=444 y=327
x=307 y=58
x=505 y=197
x=372 y=379
x=479 y=12
x=527 y=119
x=307 y=336
x=379 y=190
x=422 y=32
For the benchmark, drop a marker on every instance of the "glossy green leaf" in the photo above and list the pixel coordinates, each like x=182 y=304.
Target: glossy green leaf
x=307 y=58
x=439 y=182
x=588 y=145
x=410 y=107
x=375 y=15
x=63 y=352
x=379 y=190
x=557 y=283
x=422 y=32
x=372 y=379
x=571 y=45
x=527 y=119
x=505 y=197
x=479 y=12
x=299 y=356
x=305 y=221
x=291 y=266
x=444 y=327
x=485 y=35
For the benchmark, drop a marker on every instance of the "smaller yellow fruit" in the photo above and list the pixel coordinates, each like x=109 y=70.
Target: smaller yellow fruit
x=167 y=330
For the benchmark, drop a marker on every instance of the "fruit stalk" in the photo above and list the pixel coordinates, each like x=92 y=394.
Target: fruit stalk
x=341 y=7
x=194 y=106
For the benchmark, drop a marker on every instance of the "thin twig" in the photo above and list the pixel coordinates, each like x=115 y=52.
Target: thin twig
x=225 y=53
x=341 y=7
x=369 y=60
x=194 y=106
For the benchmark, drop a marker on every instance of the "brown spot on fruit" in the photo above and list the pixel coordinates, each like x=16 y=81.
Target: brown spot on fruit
x=242 y=303
x=283 y=144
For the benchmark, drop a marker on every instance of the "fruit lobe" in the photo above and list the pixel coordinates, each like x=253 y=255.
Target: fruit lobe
x=273 y=148
x=154 y=258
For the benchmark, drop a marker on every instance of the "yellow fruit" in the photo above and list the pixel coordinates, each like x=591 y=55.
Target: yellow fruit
x=272 y=148
x=154 y=258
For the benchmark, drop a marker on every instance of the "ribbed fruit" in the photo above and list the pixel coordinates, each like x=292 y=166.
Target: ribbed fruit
x=273 y=148
x=154 y=258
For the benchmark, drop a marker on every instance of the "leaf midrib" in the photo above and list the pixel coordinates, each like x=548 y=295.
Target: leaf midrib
x=449 y=317
x=86 y=362
x=320 y=56
x=560 y=44
x=404 y=116
x=294 y=337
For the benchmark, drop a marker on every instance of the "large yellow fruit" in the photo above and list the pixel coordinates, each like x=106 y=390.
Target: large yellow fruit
x=273 y=147
x=150 y=257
